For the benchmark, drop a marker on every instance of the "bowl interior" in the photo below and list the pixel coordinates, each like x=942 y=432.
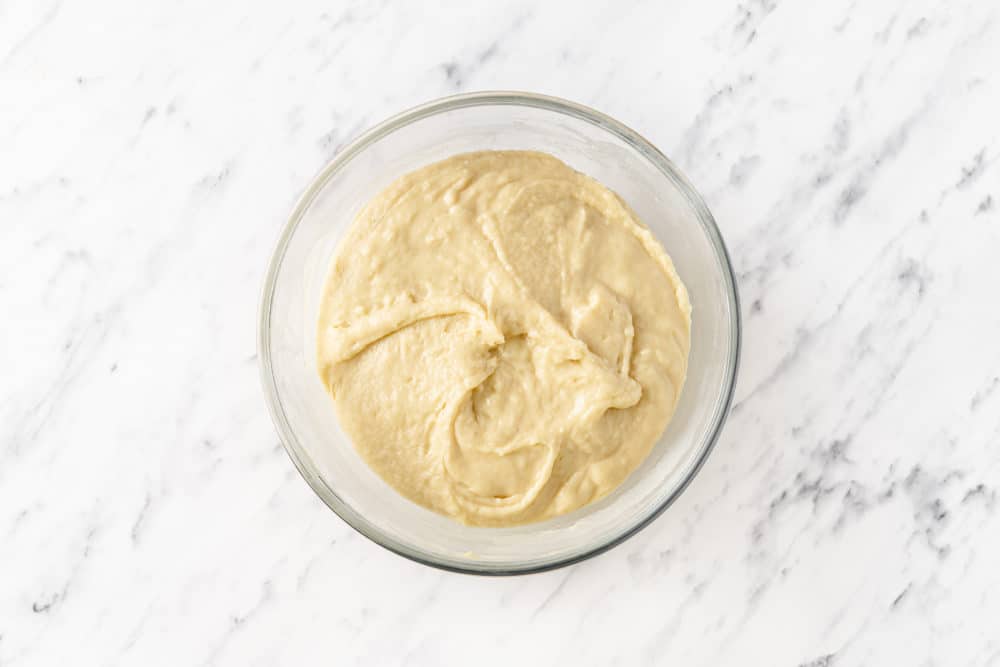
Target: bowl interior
x=588 y=142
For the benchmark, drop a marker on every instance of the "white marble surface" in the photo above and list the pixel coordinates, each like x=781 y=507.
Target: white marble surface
x=149 y=153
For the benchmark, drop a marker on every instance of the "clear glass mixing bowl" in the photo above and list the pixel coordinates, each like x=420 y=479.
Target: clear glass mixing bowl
x=589 y=142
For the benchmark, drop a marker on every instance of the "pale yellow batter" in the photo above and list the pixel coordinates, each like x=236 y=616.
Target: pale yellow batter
x=503 y=339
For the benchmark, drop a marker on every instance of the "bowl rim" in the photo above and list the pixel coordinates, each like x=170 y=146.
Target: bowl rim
x=489 y=98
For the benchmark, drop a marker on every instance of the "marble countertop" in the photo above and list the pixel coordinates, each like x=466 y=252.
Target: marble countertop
x=149 y=153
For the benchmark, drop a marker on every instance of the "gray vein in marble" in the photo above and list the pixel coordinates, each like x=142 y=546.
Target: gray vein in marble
x=141 y=518
x=929 y=512
x=703 y=119
x=751 y=15
x=806 y=337
x=216 y=181
x=743 y=169
x=303 y=577
x=50 y=13
x=981 y=492
x=882 y=36
x=78 y=349
x=46 y=602
x=902 y=594
x=971 y=173
x=238 y=623
x=136 y=632
x=666 y=633
x=555 y=592
x=459 y=72
x=887 y=383
x=18 y=520
x=333 y=141
x=861 y=182
x=984 y=393
x=918 y=29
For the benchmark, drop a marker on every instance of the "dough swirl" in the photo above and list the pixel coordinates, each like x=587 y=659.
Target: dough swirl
x=503 y=339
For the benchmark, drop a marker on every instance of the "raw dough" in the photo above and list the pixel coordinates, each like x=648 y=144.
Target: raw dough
x=503 y=339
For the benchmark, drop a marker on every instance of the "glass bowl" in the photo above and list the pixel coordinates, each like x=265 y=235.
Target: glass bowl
x=591 y=143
